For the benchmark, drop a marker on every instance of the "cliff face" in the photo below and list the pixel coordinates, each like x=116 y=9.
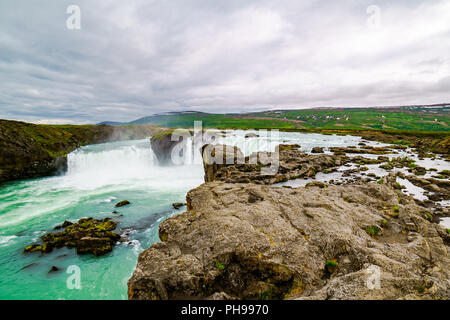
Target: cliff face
x=162 y=146
x=30 y=151
x=258 y=241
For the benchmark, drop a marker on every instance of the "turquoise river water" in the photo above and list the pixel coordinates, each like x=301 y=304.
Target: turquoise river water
x=99 y=176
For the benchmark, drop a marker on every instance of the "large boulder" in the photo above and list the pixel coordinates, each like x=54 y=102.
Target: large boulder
x=251 y=241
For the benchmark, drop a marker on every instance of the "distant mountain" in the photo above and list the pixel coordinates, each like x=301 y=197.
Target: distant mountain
x=111 y=123
x=418 y=117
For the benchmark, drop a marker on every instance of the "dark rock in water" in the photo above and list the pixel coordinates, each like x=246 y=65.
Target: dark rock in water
x=29 y=266
x=53 y=269
x=317 y=150
x=122 y=203
x=363 y=150
x=44 y=248
x=65 y=224
x=178 y=205
x=97 y=246
x=88 y=235
x=251 y=135
x=115 y=212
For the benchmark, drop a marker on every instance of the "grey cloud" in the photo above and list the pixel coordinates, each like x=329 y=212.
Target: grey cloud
x=135 y=58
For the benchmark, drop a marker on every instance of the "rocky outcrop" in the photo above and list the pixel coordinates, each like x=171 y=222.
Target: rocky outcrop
x=253 y=241
x=292 y=163
x=363 y=150
x=422 y=142
x=242 y=238
x=88 y=235
x=30 y=151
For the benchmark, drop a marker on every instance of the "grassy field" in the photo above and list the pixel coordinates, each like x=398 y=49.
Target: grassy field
x=414 y=119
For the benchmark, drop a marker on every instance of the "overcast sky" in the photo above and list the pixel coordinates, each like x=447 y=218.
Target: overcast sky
x=135 y=58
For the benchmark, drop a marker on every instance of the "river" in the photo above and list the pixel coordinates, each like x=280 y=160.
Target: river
x=99 y=176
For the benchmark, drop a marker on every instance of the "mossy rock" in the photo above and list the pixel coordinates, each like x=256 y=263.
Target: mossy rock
x=88 y=235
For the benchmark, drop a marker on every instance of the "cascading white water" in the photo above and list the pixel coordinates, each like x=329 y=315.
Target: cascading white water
x=122 y=160
x=112 y=163
x=263 y=142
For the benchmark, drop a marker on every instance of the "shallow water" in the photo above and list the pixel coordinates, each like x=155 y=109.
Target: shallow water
x=98 y=177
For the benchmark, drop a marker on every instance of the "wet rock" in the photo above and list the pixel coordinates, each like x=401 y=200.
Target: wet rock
x=63 y=225
x=88 y=235
x=44 y=248
x=122 y=203
x=178 y=205
x=29 y=266
x=317 y=150
x=363 y=150
x=251 y=135
x=53 y=269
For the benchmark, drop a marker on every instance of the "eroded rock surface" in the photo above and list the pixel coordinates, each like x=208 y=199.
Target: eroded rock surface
x=244 y=238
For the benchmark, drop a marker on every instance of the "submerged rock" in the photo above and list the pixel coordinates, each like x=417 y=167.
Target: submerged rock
x=88 y=235
x=53 y=269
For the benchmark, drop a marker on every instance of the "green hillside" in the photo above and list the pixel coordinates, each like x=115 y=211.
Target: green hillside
x=408 y=118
